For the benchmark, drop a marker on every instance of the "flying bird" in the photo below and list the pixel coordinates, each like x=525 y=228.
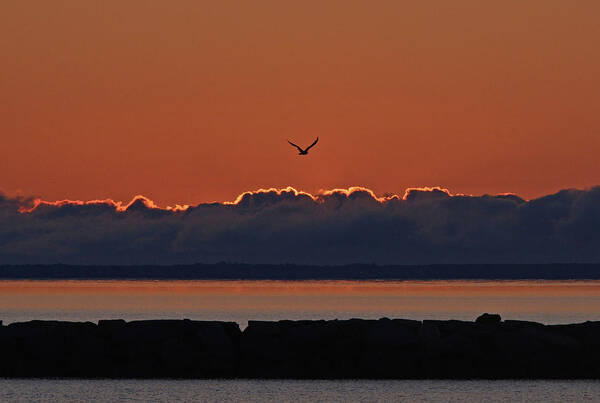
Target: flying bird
x=303 y=151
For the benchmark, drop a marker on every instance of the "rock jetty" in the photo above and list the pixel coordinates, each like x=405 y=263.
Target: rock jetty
x=487 y=348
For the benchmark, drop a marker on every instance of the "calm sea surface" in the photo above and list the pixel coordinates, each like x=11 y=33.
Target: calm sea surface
x=240 y=301
x=59 y=390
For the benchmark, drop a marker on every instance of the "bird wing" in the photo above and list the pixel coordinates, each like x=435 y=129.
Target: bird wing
x=315 y=142
x=299 y=149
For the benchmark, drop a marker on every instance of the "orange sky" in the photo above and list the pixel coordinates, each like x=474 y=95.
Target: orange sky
x=192 y=101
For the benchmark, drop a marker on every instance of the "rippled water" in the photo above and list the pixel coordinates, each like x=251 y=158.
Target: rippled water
x=296 y=391
x=240 y=301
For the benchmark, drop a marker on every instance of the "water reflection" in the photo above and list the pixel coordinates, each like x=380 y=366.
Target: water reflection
x=544 y=301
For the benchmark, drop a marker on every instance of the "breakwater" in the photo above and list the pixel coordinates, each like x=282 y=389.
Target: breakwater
x=487 y=348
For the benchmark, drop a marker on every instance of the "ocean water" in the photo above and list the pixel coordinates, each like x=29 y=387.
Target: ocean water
x=60 y=390
x=240 y=301
x=548 y=302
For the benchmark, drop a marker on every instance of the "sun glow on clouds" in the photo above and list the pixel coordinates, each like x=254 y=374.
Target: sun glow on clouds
x=288 y=190
x=117 y=205
x=335 y=226
x=319 y=197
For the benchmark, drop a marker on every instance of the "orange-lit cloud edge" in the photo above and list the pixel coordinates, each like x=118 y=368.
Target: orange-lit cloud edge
x=318 y=197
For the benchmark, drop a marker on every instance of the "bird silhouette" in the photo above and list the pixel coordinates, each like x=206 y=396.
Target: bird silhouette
x=303 y=151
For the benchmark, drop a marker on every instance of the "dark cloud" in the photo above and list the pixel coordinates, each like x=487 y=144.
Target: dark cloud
x=427 y=225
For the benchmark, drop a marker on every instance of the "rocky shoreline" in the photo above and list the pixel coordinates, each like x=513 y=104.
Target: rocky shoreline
x=487 y=348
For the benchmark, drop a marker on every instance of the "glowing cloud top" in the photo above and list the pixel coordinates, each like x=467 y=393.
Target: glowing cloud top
x=338 y=226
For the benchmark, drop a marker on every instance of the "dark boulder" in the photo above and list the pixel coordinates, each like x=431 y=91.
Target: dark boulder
x=488 y=319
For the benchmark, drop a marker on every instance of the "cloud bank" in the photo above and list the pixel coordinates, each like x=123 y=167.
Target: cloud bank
x=340 y=226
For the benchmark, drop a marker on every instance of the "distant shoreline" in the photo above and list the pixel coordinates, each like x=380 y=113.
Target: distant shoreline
x=240 y=271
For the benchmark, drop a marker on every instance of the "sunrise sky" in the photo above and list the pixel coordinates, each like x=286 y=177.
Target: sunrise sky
x=189 y=101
